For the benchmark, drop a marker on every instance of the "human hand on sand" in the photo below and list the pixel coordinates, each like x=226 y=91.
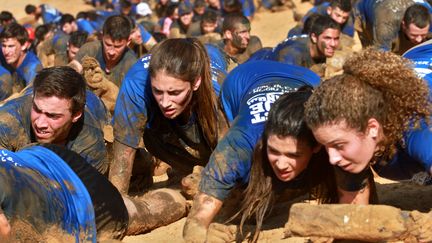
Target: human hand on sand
x=221 y=233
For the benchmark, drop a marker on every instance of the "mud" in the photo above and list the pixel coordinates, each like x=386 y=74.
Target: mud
x=23 y=232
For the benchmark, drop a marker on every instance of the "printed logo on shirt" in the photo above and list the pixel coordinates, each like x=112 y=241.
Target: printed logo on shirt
x=260 y=103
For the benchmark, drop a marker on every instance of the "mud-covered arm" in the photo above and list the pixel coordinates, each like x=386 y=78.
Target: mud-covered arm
x=204 y=209
x=130 y=119
x=121 y=167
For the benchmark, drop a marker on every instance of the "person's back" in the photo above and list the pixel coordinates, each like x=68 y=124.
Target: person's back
x=378 y=26
x=293 y=51
x=247 y=96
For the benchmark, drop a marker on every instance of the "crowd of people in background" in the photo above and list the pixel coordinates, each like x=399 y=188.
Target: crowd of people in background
x=94 y=106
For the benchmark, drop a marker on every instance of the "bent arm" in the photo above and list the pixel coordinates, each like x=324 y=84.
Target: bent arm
x=121 y=166
x=204 y=209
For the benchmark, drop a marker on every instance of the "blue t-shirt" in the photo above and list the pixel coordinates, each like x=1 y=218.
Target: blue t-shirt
x=40 y=187
x=145 y=35
x=247 y=95
x=85 y=25
x=25 y=73
x=50 y=15
x=418 y=142
x=421 y=56
x=293 y=50
x=135 y=106
x=85 y=137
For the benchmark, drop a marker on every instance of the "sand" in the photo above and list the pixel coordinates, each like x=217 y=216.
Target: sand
x=271 y=28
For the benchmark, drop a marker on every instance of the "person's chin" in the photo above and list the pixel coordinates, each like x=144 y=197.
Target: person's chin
x=44 y=140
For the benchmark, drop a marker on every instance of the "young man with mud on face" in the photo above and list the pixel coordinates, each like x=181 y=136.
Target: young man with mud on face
x=54 y=112
x=237 y=42
x=306 y=51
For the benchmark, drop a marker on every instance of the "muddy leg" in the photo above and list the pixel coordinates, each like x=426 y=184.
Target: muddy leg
x=154 y=209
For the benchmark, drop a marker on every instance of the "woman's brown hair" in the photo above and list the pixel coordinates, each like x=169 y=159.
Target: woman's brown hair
x=285 y=119
x=187 y=59
x=375 y=84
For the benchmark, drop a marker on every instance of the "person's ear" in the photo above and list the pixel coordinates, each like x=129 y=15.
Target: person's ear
x=373 y=128
x=129 y=40
x=228 y=34
x=314 y=38
x=404 y=27
x=329 y=10
x=196 y=84
x=76 y=116
x=25 y=46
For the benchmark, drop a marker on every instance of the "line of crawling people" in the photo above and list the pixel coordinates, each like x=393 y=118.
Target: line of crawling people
x=95 y=108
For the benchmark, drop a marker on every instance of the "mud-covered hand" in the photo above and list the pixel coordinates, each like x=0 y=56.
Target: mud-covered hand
x=221 y=233
x=98 y=83
x=191 y=182
x=422 y=227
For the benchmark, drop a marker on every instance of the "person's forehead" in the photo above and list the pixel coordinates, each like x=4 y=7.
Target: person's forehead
x=52 y=104
x=330 y=32
x=11 y=40
x=241 y=26
x=340 y=11
x=108 y=39
x=413 y=27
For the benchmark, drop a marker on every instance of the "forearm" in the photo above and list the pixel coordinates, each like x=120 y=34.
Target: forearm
x=121 y=166
x=204 y=209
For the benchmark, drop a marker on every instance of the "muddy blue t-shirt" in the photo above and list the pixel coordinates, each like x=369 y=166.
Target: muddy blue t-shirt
x=383 y=18
x=25 y=73
x=136 y=107
x=50 y=15
x=247 y=95
x=39 y=187
x=85 y=137
x=294 y=50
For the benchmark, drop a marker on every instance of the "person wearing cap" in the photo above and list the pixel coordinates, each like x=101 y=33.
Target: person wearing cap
x=144 y=16
x=180 y=27
x=237 y=42
x=22 y=63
